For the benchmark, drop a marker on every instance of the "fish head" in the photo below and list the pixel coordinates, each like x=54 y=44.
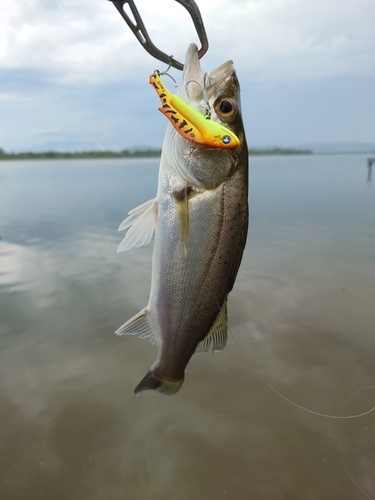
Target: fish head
x=216 y=93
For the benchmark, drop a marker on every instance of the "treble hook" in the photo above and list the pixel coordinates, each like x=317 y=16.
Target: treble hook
x=166 y=72
x=139 y=30
x=207 y=113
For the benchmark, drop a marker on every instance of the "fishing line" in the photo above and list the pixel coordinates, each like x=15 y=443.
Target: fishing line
x=190 y=159
x=339 y=442
x=338 y=417
x=186 y=196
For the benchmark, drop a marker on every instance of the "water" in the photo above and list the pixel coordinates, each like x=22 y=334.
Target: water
x=302 y=311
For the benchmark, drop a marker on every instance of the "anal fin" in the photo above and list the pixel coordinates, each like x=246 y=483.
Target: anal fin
x=218 y=334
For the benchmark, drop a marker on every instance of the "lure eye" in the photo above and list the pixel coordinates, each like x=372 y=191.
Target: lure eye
x=226 y=108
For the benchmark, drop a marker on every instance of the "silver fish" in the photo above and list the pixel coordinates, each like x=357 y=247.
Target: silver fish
x=200 y=218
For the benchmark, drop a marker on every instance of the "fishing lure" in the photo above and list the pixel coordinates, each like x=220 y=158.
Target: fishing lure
x=191 y=124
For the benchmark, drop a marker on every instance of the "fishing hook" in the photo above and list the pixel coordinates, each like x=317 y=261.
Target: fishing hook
x=207 y=113
x=166 y=71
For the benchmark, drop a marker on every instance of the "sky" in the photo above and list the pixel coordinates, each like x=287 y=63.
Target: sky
x=74 y=77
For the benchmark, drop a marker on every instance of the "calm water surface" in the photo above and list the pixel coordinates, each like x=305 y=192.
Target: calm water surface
x=302 y=312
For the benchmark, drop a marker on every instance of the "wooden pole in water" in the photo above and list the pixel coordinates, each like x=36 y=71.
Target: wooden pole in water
x=370 y=161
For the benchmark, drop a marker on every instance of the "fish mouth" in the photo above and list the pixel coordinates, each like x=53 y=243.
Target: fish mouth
x=196 y=91
x=193 y=76
x=195 y=81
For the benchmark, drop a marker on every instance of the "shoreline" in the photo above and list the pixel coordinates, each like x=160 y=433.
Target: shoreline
x=56 y=155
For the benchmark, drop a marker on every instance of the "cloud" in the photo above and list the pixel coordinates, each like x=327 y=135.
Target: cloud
x=74 y=43
x=10 y=96
x=273 y=39
x=288 y=39
x=306 y=70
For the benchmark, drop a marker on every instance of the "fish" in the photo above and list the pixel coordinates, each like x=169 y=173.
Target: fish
x=200 y=221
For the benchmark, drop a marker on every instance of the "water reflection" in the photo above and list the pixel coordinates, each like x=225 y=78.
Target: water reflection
x=302 y=312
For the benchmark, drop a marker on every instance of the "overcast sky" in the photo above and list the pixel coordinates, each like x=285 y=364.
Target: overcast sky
x=74 y=77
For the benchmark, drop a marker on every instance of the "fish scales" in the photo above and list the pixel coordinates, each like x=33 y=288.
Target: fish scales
x=194 y=267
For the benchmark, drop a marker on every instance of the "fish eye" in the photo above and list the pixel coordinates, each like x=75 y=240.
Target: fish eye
x=226 y=108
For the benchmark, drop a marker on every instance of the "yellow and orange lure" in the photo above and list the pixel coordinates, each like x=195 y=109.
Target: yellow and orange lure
x=191 y=124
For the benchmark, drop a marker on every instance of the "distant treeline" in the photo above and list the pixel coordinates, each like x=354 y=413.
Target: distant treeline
x=28 y=155
x=128 y=154
x=280 y=151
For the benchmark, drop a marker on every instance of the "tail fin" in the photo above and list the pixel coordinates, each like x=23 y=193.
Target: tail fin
x=155 y=383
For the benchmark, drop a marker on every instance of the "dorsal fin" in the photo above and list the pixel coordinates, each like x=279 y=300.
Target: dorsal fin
x=141 y=222
x=138 y=325
x=218 y=334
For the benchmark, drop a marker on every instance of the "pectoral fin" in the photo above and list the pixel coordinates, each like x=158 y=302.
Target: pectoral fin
x=139 y=325
x=141 y=223
x=218 y=334
x=182 y=203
